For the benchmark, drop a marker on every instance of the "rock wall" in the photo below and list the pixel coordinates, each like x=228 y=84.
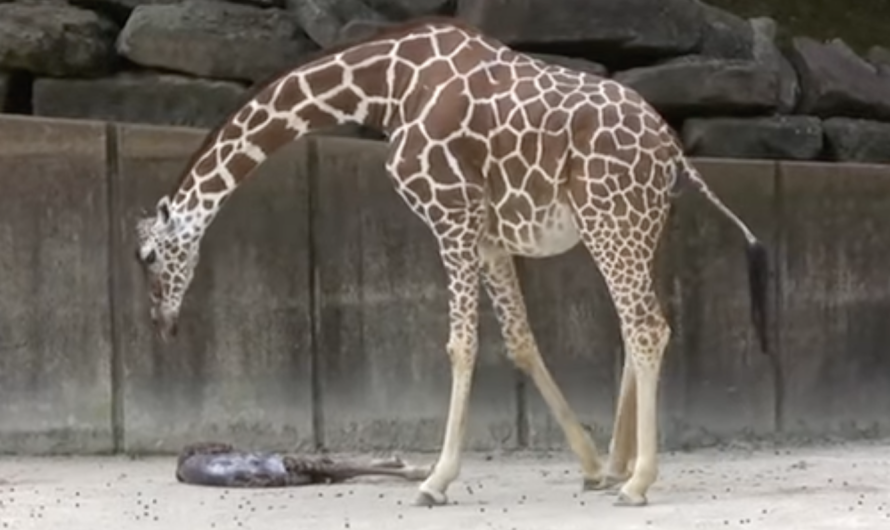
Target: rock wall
x=720 y=79
x=318 y=314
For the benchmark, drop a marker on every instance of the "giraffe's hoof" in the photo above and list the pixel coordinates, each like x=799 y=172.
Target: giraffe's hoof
x=606 y=483
x=430 y=499
x=628 y=499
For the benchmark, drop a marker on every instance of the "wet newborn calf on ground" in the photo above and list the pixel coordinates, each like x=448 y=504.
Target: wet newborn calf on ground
x=220 y=464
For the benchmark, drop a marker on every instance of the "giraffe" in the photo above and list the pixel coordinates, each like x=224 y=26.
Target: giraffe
x=221 y=464
x=500 y=155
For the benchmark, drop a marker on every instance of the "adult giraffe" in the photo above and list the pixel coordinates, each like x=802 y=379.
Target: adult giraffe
x=500 y=155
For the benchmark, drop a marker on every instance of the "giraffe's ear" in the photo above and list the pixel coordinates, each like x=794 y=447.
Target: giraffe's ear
x=163 y=209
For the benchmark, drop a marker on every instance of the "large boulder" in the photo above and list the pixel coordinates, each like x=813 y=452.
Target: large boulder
x=357 y=29
x=767 y=53
x=159 y=99
x=855 y=140
x=879 y=57
x=574 y=63
x=324 y=20
x=56 y=39
x=836 y=82
x=214 y=39
x=696 y=86
x=626 y=30
x=725 y=35
x=120 y=10
x=778 y=138
x=117 y=10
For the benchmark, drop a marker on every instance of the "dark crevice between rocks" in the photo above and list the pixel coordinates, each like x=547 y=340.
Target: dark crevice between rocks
x=117 y=13
x=125 y=66
x=613 y=57
x=18 y=95
x=826 y=154
x=262 y=4
x=398 y=12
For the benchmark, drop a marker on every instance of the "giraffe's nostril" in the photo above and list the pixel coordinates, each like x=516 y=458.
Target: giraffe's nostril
x=156 y=290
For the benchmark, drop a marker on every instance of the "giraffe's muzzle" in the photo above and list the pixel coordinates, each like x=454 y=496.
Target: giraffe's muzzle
x=166 y=326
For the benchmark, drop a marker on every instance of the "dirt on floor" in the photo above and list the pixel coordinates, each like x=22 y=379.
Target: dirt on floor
x=831 y=488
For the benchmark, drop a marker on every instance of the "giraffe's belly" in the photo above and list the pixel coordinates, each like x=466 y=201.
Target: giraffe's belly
x=547 y=231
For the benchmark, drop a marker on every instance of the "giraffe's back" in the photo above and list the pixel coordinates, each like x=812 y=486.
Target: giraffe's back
x=551 y=129
x=532 y=135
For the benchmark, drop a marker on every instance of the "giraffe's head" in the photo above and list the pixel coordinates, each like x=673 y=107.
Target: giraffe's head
x=167 y=250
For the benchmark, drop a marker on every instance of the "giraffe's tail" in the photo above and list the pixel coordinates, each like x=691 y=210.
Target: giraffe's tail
x=758 y=265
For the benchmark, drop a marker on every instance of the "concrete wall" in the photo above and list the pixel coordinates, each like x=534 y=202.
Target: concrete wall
x=240 y=370
x=55 y=334
x=318 y=313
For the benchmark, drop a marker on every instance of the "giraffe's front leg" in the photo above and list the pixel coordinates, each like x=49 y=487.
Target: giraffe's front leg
x=502 y=285
x=462 y=265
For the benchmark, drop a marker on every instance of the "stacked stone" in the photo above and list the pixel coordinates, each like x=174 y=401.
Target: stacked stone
x=165 y=62
x=721 y=80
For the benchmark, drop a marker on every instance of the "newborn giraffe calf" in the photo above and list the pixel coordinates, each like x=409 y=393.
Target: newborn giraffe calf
x=220 y=464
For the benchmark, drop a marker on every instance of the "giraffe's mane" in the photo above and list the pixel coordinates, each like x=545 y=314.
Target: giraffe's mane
x=385 y=33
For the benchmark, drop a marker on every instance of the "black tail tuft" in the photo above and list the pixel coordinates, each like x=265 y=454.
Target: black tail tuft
x=758 y=271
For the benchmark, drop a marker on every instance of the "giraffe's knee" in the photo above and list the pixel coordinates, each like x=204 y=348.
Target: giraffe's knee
x=461 y=351
x=647 y=339
x=523 y=352
x=661 y=333
x=523 y=358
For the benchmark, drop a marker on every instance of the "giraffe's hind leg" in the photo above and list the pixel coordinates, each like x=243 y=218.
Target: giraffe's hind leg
x=623 y=246
x=623 y=446
x=502 y=286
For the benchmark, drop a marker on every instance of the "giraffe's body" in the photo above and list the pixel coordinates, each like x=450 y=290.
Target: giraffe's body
x=499 y=154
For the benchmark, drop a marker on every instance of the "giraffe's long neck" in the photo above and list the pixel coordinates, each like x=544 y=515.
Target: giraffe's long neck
x=350 y=87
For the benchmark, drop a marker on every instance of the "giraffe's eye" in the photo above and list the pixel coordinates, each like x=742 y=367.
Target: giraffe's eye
x=148 y=259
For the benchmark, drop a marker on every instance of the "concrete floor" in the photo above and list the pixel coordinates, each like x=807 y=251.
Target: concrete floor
x=831 y=488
